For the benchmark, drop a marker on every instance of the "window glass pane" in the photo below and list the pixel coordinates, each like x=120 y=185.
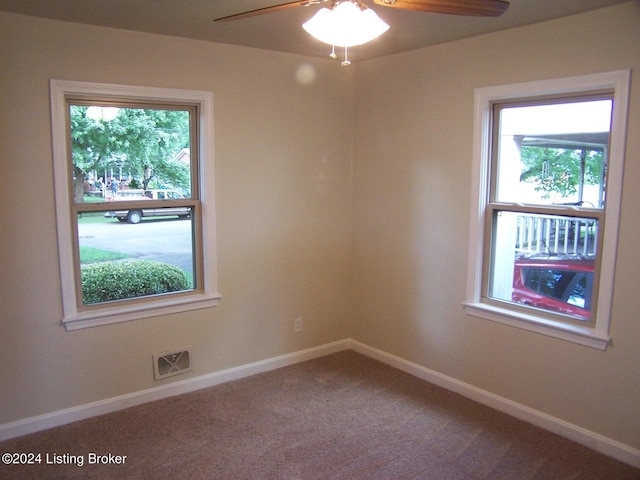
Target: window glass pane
x=123 y=151
x=553 y=154
x=121 y=260
x=544 y=261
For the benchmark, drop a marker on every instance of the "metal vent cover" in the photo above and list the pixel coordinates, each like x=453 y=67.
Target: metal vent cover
x=168 y=364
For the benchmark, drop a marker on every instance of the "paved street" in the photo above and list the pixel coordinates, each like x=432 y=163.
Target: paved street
x=166 y=241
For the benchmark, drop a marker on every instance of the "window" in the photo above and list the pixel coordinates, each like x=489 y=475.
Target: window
x=547 y=172
x=134 y=201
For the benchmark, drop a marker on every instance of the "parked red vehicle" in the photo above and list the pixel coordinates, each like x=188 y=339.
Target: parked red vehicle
x=558 y=283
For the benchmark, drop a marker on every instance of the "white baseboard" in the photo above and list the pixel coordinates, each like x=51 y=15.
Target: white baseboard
x=585 y=437
x=81 y=412
x=580 y=435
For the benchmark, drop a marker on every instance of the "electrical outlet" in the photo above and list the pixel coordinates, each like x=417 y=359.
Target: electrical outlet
x=297 y=325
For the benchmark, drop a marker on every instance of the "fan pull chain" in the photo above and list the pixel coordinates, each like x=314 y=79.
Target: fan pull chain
x=345 y=62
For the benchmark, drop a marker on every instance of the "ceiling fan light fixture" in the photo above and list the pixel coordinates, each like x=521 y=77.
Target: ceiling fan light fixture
x=345 y=25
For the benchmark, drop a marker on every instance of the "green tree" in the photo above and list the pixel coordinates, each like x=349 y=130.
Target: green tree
x=560 y=170
x=145 y=141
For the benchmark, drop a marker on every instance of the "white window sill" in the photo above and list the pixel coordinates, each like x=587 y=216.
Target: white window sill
x=572 y=333
x=155 y=308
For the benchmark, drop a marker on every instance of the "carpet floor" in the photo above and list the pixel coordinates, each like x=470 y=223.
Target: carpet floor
x=343 y=416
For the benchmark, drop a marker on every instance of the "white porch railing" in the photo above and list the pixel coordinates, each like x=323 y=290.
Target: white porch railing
x=556 y=234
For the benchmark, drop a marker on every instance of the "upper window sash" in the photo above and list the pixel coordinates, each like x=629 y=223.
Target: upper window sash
x=191 y=108
x=521 y=126
x=598 y=335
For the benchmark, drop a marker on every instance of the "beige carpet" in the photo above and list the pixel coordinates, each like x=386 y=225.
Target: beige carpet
x=343 y=416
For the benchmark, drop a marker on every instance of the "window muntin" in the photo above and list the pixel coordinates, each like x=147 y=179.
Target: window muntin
x=492 y=206
x=195 y=197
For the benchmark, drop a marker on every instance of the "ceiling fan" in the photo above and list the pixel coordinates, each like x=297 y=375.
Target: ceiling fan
x=346 y=23
x=478 y=8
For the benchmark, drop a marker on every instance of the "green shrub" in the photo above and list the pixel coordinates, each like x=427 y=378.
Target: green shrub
x=119 y=280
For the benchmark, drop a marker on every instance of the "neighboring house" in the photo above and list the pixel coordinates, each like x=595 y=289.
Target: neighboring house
x=184 y=156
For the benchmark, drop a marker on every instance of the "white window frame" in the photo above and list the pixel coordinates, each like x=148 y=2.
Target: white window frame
x=207 y=296
x=597 y=335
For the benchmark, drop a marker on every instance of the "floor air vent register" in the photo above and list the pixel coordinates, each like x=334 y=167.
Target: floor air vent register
x=168 y=364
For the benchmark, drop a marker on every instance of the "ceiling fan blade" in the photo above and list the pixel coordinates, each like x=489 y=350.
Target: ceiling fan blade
x=479 y=8
x=275 y=8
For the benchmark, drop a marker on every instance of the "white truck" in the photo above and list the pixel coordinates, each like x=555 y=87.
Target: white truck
x=135 y=215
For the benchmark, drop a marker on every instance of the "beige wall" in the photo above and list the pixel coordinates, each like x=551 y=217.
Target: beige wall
x=294 y=230
x=413 y=151
x=283 y=164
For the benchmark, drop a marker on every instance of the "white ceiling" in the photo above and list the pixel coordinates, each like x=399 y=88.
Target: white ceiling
x=282 y=31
